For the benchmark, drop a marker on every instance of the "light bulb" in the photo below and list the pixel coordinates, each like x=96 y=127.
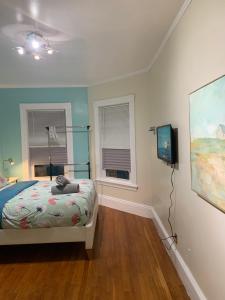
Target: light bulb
x=11 y=161
x=50 y=51
x=37 y=57
x=35 y=44
x=20 y=50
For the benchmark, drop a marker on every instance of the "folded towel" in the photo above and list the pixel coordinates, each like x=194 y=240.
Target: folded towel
x=70 y=188
x=62 y=180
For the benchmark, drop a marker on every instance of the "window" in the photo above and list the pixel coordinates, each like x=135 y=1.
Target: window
x=117 y=173
x=42 y=145
x=115 y=141
x=37 y=145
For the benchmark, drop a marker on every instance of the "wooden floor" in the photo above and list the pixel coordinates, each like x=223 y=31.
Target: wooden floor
x=129 y=263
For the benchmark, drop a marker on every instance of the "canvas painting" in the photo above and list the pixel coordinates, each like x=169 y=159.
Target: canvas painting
x=207 y=128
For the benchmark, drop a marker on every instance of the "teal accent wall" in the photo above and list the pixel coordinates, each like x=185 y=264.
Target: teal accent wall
x=1 y=157
x=10 y=134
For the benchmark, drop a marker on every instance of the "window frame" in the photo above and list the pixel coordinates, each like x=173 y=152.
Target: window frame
x=28 y=173
x=100 y=173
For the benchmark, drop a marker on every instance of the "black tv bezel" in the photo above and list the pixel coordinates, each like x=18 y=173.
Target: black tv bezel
x=172 y=143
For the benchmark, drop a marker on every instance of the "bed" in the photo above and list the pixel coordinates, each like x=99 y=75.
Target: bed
x=34 y=215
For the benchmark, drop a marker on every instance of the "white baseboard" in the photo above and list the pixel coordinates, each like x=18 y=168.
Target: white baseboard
x=138 y=209
x=193 y=289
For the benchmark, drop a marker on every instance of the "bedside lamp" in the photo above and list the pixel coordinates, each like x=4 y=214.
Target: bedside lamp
x=9 y=160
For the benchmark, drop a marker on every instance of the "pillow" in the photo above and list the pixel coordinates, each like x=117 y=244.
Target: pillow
x=3 y=182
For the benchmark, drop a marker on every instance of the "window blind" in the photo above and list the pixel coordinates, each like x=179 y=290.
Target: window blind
x=115 y=137
x=38 y=120
x=115 y=127
x=116 y=159
x=41 y=146
x=40 y=155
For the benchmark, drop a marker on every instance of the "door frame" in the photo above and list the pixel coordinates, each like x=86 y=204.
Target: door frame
x=24 y=108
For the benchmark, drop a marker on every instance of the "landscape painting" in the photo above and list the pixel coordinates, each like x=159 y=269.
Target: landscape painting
x=207 y=128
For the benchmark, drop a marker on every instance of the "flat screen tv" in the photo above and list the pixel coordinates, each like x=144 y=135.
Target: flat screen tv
x=166 y=144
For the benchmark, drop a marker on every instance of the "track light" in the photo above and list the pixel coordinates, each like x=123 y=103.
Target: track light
x=50 y=51
x=35 y=44
x=37 y=57
x=20 y=50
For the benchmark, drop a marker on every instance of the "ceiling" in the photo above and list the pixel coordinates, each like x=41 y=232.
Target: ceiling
x=96 y=40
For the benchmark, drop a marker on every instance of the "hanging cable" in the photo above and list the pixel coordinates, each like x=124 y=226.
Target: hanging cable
x=171 y=201
x=169 y=214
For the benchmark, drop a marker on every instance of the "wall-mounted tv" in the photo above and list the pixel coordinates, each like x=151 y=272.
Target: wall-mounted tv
x=166 y=144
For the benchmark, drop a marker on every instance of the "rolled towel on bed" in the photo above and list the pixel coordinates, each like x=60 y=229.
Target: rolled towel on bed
x=69 y=188
x=62 y=180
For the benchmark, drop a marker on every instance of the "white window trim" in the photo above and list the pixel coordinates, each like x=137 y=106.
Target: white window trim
x=24 y=108
x=100 y=175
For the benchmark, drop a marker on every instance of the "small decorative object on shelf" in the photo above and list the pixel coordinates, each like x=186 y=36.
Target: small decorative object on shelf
x=12 y=180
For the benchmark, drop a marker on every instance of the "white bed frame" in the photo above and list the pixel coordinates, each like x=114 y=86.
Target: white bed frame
x=53 y=234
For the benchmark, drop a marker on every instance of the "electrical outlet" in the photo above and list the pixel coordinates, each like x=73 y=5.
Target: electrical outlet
x=175 y=237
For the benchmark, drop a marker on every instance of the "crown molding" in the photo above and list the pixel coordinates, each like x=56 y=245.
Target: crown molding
x=172 y=28
x=128 y=75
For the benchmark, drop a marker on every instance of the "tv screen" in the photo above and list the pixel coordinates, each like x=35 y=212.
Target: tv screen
x=165 y=144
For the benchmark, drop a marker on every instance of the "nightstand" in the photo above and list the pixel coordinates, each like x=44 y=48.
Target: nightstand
x=12 y=180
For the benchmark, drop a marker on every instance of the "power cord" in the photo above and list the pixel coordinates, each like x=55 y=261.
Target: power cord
x=174 y=236
x=171 y=200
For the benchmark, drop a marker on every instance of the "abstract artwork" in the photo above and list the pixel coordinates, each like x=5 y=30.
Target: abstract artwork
x=207 y=129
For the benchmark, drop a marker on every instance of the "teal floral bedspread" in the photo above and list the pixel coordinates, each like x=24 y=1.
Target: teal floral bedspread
x=36 y=207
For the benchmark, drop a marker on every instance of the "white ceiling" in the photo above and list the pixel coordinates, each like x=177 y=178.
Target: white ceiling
x=97 y=40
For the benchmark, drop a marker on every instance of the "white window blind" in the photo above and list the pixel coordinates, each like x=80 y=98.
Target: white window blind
x=115 y=127
x=115 y=137
x=116 y=159
x=40 y=155
x=38 y=120
x=41 y=147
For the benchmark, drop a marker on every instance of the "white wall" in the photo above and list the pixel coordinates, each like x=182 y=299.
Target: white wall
x=193 y=56
x=137 y=86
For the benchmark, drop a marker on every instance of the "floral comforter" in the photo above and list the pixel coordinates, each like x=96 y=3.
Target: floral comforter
x=36 y=207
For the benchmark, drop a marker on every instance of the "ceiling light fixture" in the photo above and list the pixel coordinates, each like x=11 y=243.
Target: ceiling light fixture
x=37 y=57
x=20 y=50
x=36 y=45
x=50 y=51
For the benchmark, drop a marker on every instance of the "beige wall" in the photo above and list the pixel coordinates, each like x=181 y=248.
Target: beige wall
x=138 y=86
x=194 y=56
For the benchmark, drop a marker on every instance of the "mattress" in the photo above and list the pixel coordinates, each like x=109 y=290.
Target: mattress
x=36 y=207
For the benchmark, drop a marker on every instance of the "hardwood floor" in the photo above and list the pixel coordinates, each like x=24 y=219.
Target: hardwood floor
x=129 y=263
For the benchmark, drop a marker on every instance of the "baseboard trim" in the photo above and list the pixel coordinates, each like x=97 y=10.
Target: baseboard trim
x=193 y=289
x=138 y=209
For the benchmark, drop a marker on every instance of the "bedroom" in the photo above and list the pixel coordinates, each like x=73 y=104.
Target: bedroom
x=151 y=56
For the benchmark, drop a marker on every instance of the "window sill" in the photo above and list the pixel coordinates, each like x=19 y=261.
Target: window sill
x=117 y=183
